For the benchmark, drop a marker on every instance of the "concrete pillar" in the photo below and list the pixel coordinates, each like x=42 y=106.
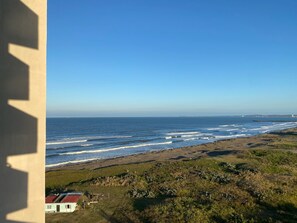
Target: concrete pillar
x=22 y=109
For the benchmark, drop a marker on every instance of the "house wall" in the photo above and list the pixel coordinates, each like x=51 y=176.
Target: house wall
x=63 y=207
x=50 y=208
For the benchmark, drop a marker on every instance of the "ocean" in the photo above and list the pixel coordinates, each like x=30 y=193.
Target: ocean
x=74 y=140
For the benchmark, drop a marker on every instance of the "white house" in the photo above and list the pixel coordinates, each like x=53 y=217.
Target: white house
x=61 y=203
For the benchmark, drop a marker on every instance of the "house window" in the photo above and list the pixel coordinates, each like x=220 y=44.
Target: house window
x=48 y=206
x=68 y=206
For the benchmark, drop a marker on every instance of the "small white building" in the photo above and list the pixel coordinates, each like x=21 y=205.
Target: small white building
x=61 y=203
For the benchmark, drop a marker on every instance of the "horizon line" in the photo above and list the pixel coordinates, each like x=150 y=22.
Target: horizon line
x=180 y=116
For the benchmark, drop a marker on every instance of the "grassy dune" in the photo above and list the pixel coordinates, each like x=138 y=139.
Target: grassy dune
x=239 y=180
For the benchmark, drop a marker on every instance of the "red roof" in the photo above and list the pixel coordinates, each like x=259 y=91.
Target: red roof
x=71 y=198
x=50 y=198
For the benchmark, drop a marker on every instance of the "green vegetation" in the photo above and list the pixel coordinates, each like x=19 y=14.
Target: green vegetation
x=254 y=185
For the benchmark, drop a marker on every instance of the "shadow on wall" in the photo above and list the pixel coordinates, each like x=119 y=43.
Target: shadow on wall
x=18 y=130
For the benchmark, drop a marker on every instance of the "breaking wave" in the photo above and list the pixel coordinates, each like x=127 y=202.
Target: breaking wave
x=112 y=149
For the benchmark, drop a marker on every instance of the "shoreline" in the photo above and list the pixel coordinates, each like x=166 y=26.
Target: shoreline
x=217 y=148
x=249 y=177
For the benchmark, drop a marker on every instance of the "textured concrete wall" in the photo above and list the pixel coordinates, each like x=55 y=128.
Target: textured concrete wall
x=22 y=109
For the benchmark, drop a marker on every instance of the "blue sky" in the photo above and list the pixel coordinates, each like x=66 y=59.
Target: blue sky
x=171 y=57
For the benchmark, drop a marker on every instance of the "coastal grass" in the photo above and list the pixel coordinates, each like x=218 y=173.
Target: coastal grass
x=62 y=178
x=251 y=185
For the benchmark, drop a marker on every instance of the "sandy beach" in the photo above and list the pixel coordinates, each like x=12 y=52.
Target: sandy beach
x=243 y=178
x=218 y=148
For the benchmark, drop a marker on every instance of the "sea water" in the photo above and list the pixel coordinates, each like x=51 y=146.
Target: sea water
x=74 y=140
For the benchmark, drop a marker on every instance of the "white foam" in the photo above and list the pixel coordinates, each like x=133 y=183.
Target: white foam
x=225 y=127
x=232 y=125
x=232 y=136
x=273 y=127
x=182 y=133
x=230 y=130
x=191 y=135
x=205 y=138
x=113 y=149
x=70 y=162
x=86 y=145
x=84 y=139
x=110 y=137
x=190 y=139
x=211 y=129
x=66 y=142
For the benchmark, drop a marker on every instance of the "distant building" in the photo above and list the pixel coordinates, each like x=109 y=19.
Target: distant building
x=61 y=203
